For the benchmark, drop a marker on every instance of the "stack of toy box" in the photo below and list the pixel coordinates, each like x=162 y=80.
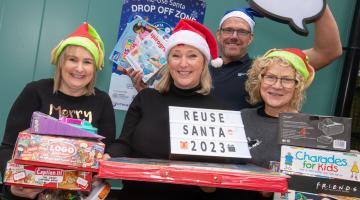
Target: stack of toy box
x=55 y=154
x=319 y=161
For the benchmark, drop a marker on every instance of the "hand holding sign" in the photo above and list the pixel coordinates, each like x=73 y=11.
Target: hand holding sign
x=296 y=12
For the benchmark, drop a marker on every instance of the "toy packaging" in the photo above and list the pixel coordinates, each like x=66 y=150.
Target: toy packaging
x=45 y=124
x=314 y=162
x=59 y=152
x=149 y=55
x=44 y=177
x=100 y=190
x=297 y=195
x=134 y=33
x=246 y=177
x=324 y=185
x=314 y=131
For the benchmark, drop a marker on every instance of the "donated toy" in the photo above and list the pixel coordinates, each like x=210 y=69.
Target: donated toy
x=45 y=124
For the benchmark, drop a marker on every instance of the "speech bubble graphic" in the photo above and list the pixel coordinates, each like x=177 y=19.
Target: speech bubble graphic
x=296 y=13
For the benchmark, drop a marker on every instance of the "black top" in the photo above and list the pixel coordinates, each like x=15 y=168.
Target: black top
x=229 y=82
x=146 y=123
x=262 y=134
x=39 y=96
x=146 y=134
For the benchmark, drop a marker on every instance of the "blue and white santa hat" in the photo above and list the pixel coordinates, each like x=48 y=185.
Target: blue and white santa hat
x=244 y=13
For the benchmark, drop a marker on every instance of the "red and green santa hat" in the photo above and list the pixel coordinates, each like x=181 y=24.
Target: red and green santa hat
x=192 y=33
x=298 y=59
x=87 y=37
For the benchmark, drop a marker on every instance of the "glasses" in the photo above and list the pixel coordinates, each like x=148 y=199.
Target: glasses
x=231 y=31
x=284 y=81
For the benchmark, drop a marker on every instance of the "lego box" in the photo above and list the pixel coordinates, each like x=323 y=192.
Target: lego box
x=314 y=131
x=315 y=162
x=43 y=177
x=59 y=152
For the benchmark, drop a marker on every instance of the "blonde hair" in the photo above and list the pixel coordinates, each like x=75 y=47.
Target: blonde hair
x=90 y=88
x=166 y=80
x=259 y=67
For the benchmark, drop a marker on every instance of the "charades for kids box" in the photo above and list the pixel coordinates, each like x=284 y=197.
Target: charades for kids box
x=44 y=177
x=56 y=151
x=315 y=131
x=314 y=162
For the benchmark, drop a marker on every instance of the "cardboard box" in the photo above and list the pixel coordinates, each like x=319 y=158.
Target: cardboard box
x=315 y=131
x=59 y=152
x=315 y=162
x=45 y=124
x=43 y=177
x=297 y=195
x=324 y=185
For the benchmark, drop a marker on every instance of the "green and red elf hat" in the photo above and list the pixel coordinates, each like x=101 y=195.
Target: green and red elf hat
x=298 y=59
x=87 y=37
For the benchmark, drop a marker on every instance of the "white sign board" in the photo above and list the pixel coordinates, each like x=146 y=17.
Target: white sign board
x=207 y=132
x=295 y=12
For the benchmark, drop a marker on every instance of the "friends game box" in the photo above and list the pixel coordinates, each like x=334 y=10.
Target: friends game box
x=297 y=195
x=246 y=177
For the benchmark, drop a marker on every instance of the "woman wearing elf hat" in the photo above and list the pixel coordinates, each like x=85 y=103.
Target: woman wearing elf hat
x=71 y=93
x=279 y=79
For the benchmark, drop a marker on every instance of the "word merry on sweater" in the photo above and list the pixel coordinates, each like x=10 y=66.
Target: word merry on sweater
x=78 y=114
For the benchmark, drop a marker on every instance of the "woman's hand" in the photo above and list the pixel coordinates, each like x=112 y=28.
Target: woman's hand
x=266 y=194
x=25 y=192
x=136 y=78
x=106 y=157
x=208 y=189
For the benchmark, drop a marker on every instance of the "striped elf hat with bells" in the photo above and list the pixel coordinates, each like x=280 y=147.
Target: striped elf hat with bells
x=298 y=59
x=87 y=37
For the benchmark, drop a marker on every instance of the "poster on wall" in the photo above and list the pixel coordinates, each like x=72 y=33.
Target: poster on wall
x=162 y=14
